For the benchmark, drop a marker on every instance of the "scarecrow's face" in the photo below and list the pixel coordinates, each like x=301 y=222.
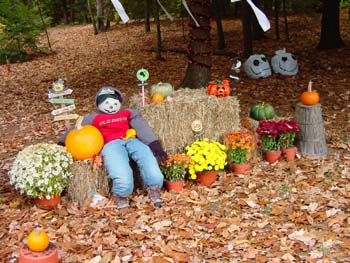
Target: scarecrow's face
x=110 y=106
x=284 y=63
x=257 y=66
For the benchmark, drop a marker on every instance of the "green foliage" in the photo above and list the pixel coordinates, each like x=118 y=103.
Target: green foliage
x=19 y=36
x=344 y=3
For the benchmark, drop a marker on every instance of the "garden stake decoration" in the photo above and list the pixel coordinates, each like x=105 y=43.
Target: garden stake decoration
x=55 y=95
x=142 y=75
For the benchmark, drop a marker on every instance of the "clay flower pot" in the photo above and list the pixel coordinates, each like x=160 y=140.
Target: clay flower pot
x=272 y=156
x=289 y=153
x=207 y=178
x=49 y=255
x=240 y=168
x=176 y=186
x=48 y=203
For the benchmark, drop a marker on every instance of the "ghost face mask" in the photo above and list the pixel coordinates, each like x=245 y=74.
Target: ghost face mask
x=110 y=105
x=257 y=66
x=284 y=63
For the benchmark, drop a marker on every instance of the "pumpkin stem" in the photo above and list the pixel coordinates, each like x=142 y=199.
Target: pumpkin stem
x=309 y=87
x=78 y=123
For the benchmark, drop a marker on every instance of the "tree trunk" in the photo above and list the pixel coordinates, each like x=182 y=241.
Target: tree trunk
x=99 y=13
x=247 y=29
x=330 y=31
x=199 y=50
x=92 y=17
x=217 y=10
x=147 y=12
x=65 y=12
x=286 y=30
x=71 y=11
x=159 y=34
x=257 y=31
x=277 y=27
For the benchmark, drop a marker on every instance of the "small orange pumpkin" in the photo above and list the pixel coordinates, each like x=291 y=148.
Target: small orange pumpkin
x=219 y=89
x=84 y=142
x=158 y=98
x=38 y=240
x=310 y=97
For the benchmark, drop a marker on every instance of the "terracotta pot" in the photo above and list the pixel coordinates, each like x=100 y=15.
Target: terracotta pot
x=240 y=168
x=289 y=153
x=174 y=186
x=207 y=178
x=272 y=156
x=47 y=203
x=49 y=255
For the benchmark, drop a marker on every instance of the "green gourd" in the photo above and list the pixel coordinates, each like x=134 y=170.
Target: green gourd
x=262 y=111
x=164 y=88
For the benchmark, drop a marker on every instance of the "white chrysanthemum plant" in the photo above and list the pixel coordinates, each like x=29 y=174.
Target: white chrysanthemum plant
x=41 y=170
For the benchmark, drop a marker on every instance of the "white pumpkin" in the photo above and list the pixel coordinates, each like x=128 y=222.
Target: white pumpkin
x=162 y=87
x=257 y=66
x=284 y=63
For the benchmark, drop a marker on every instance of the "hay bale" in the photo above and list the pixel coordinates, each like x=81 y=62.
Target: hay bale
x=171 y=120
x=85 y=180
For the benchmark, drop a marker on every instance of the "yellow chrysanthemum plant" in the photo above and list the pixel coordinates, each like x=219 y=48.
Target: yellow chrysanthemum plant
x=206 y=155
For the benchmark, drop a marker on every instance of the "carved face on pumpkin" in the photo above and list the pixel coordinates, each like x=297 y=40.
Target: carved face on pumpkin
x=284 y=63
x=109 y=100
x=257 y=66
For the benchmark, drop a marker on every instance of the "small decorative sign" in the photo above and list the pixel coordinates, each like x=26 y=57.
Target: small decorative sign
x=66 y=117
x=142 y=75
x=55 y=95
x=197 y=128
x=62 y=110
x=61 y=101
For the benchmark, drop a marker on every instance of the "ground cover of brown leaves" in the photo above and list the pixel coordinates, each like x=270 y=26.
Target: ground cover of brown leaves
x=287 y=212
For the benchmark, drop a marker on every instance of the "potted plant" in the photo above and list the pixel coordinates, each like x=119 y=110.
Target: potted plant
x=287 y=130
x=208 y=156
x=174 y=170
x=41 y=171
x=239 y=145
x=269 y=140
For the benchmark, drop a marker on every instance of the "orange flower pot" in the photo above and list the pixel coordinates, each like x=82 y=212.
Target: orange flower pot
x=176 y=186
x=207 y=178
x=240 y=168
x=272 y=156
x=49 y=255
x=289 y=153
x=47 y=203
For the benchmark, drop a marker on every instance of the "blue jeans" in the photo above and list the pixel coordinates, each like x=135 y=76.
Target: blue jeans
x=116 y=159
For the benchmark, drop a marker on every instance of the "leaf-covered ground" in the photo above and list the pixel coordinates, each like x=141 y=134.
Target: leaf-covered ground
x=287 y=212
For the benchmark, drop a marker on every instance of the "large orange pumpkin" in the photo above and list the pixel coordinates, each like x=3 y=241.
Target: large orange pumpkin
x=219 y=89
x=310 y=97
x=38 y=240
x=84 y=142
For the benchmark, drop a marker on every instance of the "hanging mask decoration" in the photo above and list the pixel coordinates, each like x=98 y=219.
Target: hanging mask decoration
x=284 y=63
x=257 y=66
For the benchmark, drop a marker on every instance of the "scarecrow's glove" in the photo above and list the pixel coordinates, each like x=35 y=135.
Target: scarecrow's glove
x=158 y=151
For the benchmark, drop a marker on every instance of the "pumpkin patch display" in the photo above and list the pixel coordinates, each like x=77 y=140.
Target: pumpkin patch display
x=257 y=66
x=84 y=142
x=310 y=97
x=38 y=240
x=284 y=63
x=164 y=88
x=219 y=89
x=262 y=111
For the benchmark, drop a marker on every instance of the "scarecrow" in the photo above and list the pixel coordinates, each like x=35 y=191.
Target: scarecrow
x=126 y=135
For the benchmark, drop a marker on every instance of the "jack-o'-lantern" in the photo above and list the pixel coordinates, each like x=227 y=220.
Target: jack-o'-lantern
x=219 y=89
x=284 y=63
x=257 y=66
